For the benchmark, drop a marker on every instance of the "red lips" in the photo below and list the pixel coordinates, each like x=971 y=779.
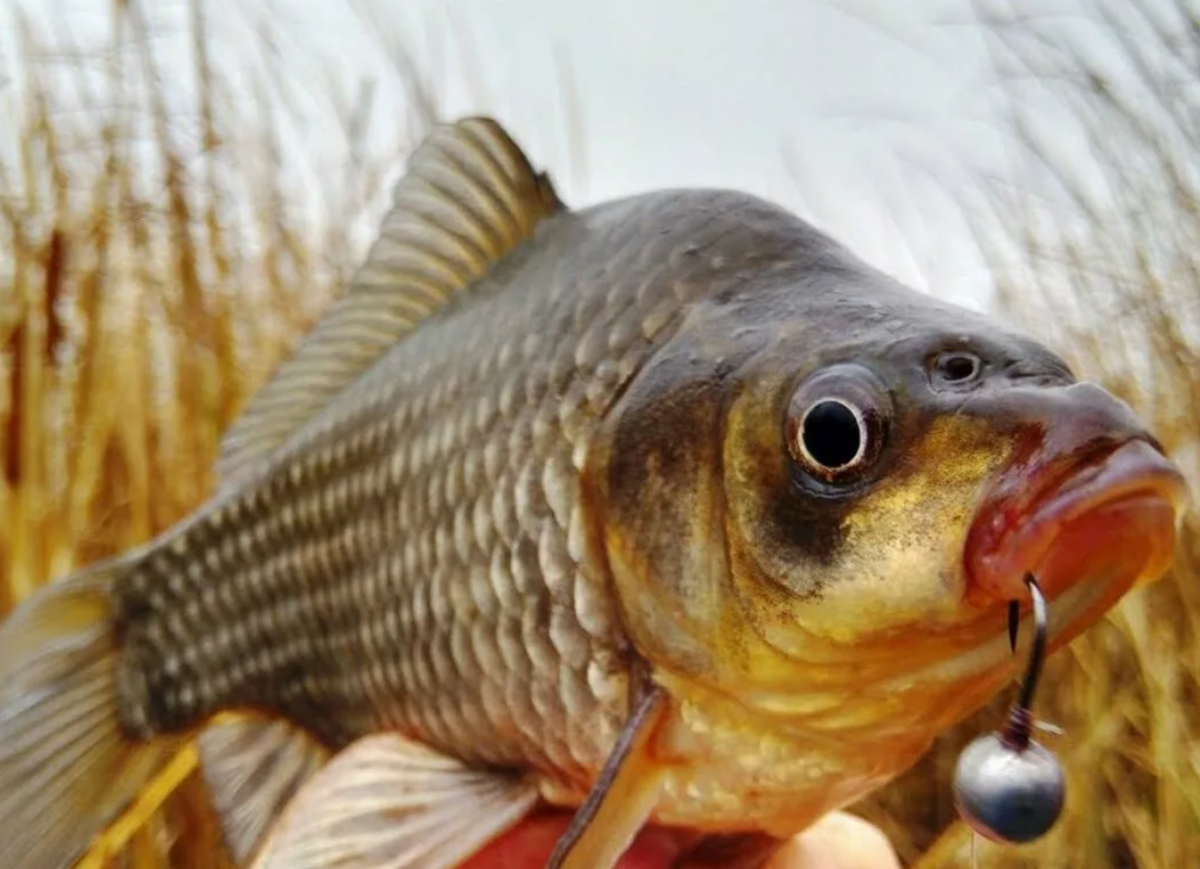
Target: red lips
x=1107 y=513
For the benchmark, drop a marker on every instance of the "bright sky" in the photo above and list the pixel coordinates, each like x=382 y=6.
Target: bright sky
x=843 y=110
x=805 y=103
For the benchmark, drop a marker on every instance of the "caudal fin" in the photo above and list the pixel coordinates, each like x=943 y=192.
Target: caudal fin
x=67 y=766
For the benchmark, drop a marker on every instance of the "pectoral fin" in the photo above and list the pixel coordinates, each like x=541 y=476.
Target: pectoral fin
x=621 y=801
x=389 y=803
x=253 y=770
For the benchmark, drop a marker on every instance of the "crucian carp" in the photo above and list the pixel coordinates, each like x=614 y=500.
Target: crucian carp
x=669 y=510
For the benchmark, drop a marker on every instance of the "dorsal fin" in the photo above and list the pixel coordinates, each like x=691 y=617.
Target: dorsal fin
x=469 y=197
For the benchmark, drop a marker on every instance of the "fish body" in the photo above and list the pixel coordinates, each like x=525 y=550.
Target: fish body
x=671 y=501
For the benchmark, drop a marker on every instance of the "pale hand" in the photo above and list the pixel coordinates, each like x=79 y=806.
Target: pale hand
x=837 y=841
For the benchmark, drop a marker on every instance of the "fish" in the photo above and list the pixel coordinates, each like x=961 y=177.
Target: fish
x=670 y=512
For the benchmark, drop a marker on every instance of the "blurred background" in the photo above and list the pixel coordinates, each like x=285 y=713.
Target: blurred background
x=184 y=184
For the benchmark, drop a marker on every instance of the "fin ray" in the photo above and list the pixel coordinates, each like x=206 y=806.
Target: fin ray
x=252 y=769
x=389 y=803
x=621 y=801
x=468 y=198
x=68 y=769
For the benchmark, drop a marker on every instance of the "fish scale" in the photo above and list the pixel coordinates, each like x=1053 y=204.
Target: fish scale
x=542 y=510
x=430 y=525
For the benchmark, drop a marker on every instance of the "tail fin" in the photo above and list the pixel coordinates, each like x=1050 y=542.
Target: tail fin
x=67 y=767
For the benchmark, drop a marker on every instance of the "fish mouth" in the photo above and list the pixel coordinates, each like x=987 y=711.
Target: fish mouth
x=1097 y=524
x=1109 y=518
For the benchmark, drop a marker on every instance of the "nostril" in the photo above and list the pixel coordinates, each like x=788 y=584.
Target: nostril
x=956 y=367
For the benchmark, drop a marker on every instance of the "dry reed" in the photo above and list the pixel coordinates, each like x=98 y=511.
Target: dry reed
x=155 y=268
x=1098 y=252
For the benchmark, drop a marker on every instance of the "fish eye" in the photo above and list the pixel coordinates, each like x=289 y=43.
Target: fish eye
x=832 y=434
x=957 y=366
x=836 y=423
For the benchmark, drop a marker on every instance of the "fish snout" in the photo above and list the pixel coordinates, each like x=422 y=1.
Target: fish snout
x=1086 y=414
x=1090 y=495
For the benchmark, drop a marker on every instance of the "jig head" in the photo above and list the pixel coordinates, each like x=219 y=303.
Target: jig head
x=1007 y=787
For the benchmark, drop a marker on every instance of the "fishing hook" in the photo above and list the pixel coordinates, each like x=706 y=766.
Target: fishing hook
x=1020 y=718
x=1007 y=787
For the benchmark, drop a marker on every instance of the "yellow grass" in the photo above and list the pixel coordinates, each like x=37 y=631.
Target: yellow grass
x=154 y=267
x=153 y=271
x=1114 y=281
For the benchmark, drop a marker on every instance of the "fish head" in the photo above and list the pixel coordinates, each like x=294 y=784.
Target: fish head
x=822 y=499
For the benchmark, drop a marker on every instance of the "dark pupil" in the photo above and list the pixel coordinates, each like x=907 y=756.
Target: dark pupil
x=831 y=434
x=958 y=366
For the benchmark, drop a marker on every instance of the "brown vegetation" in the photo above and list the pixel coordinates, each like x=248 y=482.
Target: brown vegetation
x=155 y=267
x=1111 y=276
x=154 y=270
